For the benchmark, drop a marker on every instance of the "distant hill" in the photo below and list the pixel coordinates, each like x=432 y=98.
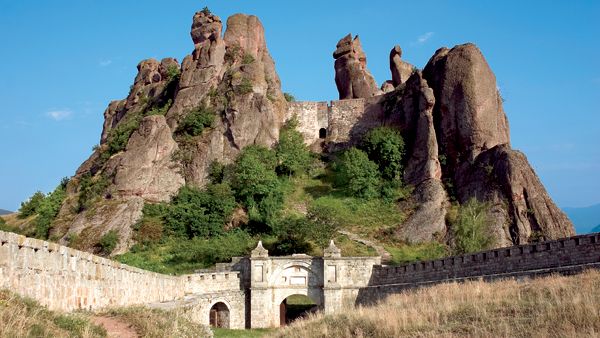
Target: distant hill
x=585 y=219
x=5 y=212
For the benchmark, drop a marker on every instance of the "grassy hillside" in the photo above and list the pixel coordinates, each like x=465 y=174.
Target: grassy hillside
x=555 y=306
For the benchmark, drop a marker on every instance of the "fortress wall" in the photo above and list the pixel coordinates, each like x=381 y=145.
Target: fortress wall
x=568 y=255
x=66 y=279
x=312 y=116
x=206 y=282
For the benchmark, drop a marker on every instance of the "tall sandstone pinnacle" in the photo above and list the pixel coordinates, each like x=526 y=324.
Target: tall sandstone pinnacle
x=473 y=136
x=352 y=77
x=232 y=74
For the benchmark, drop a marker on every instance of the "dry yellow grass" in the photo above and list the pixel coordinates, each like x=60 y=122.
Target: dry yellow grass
x=23 y=317
x=555 y=306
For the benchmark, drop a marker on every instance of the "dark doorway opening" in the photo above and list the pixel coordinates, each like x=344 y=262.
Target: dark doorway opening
x=322 y=133
x=294 y=307
x=219 y=315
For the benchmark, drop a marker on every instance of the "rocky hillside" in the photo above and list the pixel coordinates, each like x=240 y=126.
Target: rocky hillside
x=151 y=144
x=451 y=117
x=179 y=118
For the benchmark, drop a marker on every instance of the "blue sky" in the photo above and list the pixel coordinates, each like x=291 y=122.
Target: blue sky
x=63 y=61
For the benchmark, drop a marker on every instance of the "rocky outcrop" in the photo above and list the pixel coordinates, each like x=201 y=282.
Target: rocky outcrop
x=146 y=168
x=352 y=77
x=473 y=135
x=410 y=108
x=232 y=75
x=400 y=70
x=468 y=111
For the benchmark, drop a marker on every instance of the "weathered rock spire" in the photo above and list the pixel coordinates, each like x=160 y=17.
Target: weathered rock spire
x=352 y=77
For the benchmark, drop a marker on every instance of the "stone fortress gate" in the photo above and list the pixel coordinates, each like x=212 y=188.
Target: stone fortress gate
x=331 y=281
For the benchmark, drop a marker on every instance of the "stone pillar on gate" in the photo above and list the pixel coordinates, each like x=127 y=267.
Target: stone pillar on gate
x=332 y=290
x=260 y=295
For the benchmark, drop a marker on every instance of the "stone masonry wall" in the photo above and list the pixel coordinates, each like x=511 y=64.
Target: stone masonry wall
x=66 y=279
x=568 y=255
x=345 y=121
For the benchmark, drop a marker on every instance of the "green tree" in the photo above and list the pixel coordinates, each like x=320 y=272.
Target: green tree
x=385 y=146
x=48 y=210
x=358 y=174
x=31 y=206
x=292 y=154
x=292 y=236
x=199 y=213
x=471 y=227
x=256 y=184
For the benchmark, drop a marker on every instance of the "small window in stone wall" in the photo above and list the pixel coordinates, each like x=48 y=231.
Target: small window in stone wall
x=322 y=133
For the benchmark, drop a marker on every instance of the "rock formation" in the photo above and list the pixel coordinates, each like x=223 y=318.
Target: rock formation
x=352 y=77
x=233 y=75
x=401 y=70
x=450 y=116
x=473 y=136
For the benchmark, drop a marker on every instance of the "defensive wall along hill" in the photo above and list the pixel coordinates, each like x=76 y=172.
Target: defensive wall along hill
x=250 y=291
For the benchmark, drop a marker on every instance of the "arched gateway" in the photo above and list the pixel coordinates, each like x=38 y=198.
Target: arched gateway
x=330 y=282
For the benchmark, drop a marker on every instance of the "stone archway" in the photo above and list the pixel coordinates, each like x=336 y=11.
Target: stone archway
x=219 y=315
x=294 y=307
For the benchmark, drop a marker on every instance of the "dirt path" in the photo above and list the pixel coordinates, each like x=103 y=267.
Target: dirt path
x=114 y=327
x=385 y=256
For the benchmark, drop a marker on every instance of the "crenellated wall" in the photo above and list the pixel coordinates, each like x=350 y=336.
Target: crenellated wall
x=567 y=256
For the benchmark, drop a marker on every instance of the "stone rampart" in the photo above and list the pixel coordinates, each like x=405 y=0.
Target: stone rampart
x=566 y=256
x=66 y=279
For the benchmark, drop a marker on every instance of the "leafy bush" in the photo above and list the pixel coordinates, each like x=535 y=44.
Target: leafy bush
x=206 y=11
x=471 y=227
x=162 y=110
x=289 y=97
x=200 y=213
x=256 y=184
x=90 y=188
x=109 y=242
x=385 y=146
x=245 y=87
x=31 y=206
x=358 y=174
x=196 y=121
x=173 y=73
x=292 y=235
x=292 y=154
x=48 y=210
x=119 y=136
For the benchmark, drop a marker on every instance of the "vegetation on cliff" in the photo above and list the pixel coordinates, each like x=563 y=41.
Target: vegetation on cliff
x=556 y=306
x=293 y=200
